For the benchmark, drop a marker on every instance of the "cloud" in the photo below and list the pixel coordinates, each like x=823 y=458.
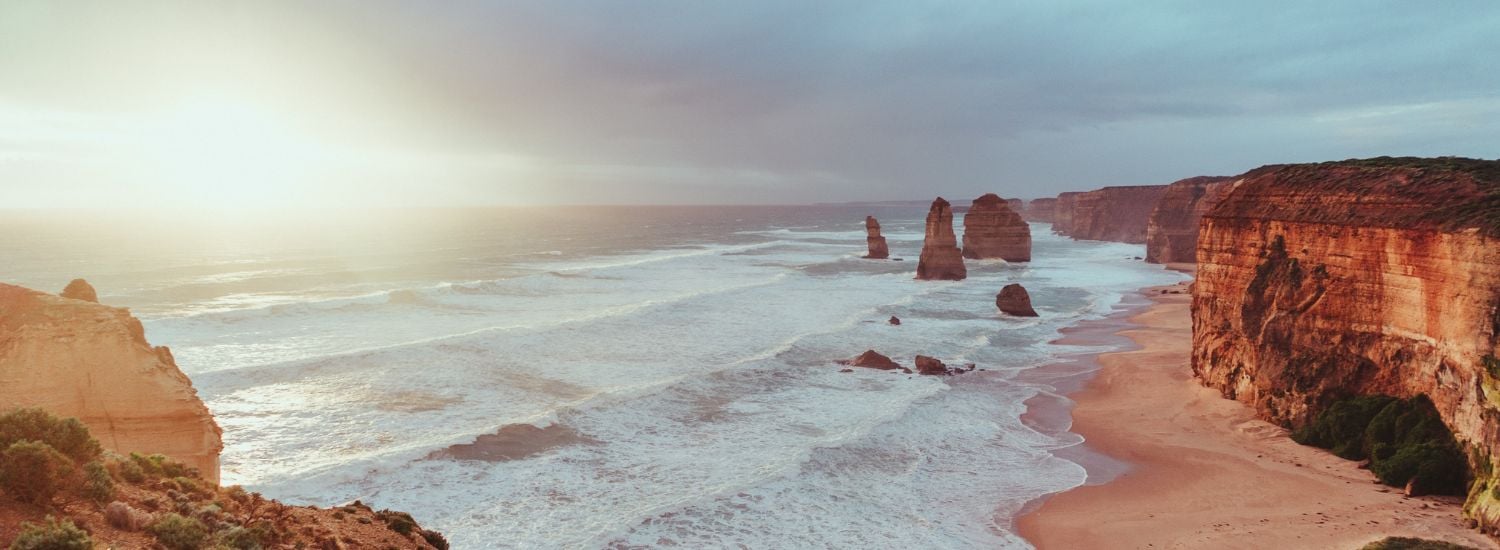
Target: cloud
x=782 y=101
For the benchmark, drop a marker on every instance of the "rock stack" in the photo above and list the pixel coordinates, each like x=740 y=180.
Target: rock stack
x=941 y=259
x=1014 y=300
x=878 y=250
x=80 y=289
x=993 y=230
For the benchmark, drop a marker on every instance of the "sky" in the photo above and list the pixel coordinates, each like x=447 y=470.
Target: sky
x=386 y=103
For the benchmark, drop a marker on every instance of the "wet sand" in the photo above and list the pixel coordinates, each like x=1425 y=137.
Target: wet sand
x=1174 y=465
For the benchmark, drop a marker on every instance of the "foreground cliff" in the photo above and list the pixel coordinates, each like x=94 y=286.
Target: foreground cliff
x=1172 y=229
x=1380 y=276
x=992 y=229
x=77 y=358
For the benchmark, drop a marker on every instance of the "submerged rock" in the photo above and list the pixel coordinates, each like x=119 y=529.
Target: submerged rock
x=930 y=366
x=1014 y=300
x=895 y=320
x=871 y=360
x=941 y=258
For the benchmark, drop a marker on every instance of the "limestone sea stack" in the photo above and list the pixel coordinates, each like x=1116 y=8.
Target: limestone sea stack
x=1014 y=300
x=1359 y=277
x=941 y=259
x=993 y=230
x=876 y=243
x=1172 y=229
x=75 y=358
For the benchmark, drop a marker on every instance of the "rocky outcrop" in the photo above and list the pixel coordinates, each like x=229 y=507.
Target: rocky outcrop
x=1014 y=300
x=1062 y=214
x=1172 y=230
x=874 y=241
x=1378 y=276
x=80 y=289
x=1040 y=210
x=74 y=358
x=941 y=259
x=993 y=230
x=930 y=366
x=894 y=320
x=871 y=360
x=1113 y=213
x=1015 y=205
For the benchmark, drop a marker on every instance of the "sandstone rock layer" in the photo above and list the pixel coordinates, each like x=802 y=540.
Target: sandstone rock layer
x=90 y=361
x=1112 y=213
x=1062 y=214
x=1014 y=300
x=1378 y=276
x=1172 y=230
x=941 y=258
x=993 y=230
x=875 y=242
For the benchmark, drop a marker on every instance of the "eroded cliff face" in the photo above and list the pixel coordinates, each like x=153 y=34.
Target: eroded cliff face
x=1113 y=213
x=76 y=358
x=1172 y=229
x=1062 y=213
x=1382 y=276
x=993 y=230
x=941 y=259
x=1040 y=210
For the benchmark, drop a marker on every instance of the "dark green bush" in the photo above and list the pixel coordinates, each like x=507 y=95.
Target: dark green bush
x=52 y=534
x=160 y=466
x=67 y=435
x=34 y=472
x=97 y=485
x=178 y=533
x=436 y=539
x=240 y=538
x=400 y=522
x=1405 y=440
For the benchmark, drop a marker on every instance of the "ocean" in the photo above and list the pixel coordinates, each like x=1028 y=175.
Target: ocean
x=687 y=354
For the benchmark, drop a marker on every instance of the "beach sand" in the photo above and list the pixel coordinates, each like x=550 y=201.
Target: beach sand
x=1199 y=471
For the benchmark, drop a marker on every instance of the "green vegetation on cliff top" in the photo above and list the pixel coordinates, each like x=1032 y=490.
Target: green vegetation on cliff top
x=1454 y=206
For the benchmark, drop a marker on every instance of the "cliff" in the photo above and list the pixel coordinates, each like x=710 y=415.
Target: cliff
x=941 y=258
x=80 y=359
x=1380 y=276
x=874 y=241
x=1062 y=213
x=1113 y=213
x=1172 y=229
x=993 y=230
x=1040 y=210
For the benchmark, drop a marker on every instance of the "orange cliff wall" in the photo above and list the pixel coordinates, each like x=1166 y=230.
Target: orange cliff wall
x=77 y=358
x=1114 y=213
x=1321 y=281
x=1172 y=229
x=1062 y=212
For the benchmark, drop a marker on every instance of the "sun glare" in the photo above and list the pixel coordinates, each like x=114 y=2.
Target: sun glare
x=231 y=152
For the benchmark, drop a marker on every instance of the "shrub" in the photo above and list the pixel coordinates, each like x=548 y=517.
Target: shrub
x=131 y=471
x=97 y=485
x=125 y=517
x=67 y=435
x=52 y=534
x=1407 y=543
x=240 y=538
x=34 y=472
x=436 y=539
x=160 y=466
x=1405 y=440
x=178 y=533
x=400 y=522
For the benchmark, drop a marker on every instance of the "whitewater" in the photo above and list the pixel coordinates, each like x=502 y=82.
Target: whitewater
x=692 y=349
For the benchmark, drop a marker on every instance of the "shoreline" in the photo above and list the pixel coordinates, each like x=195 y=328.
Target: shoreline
x=1172 y=464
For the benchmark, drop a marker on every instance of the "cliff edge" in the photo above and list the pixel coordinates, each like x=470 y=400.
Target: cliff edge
x=1172 y=229
x=1317 y=282
x=77 y=358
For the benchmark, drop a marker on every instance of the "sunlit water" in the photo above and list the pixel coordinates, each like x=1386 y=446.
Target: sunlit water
x=694 y=346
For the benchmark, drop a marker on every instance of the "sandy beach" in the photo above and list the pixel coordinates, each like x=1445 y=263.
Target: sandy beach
x=1200 y=471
